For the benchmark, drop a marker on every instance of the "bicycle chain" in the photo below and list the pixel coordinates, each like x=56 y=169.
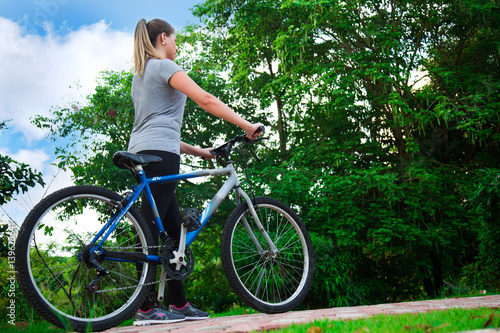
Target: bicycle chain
x=134 y=286
x=129 y=287
x=132 y=247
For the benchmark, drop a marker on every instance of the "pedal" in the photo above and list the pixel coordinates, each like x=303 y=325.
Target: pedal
x=190 y=218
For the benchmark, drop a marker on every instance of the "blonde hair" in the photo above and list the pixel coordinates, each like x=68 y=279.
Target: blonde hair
x=145 y=38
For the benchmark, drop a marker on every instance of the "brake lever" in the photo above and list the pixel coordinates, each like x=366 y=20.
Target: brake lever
x=242 y=137
x=247 y=140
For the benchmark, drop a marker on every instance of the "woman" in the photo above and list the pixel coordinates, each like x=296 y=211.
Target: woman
x=159 y=91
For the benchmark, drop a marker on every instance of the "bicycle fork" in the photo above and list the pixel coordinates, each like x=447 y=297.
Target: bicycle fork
x=260 y=227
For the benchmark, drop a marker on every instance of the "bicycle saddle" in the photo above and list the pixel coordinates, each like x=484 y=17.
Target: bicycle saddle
x=126 y=160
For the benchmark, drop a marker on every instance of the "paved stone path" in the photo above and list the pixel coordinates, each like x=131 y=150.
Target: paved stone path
x=264 y=322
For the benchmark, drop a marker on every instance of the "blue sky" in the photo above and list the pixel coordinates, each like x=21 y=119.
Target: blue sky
x=57 y=19
x=71 y=14
x=47 y=47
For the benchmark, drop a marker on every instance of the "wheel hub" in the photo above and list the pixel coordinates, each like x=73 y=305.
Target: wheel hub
x=86 y=255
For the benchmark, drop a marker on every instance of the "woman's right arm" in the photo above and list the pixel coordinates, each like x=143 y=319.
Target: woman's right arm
x=208 y=102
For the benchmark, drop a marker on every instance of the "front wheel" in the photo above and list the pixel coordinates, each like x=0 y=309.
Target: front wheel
x=268 y=282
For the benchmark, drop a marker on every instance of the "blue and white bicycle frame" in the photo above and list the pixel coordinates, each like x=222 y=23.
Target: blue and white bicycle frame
x=186 y=238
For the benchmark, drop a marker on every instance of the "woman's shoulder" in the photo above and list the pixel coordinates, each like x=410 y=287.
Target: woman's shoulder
x=161 y=62
x=161 y=68
x=167 y=63
x=167 y=68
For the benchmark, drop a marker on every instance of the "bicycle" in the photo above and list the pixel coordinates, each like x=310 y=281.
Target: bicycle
x=85 y=258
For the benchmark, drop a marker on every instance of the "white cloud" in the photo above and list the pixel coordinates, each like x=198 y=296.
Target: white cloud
x=36 y=74
x=38 y=71
x=17 y=209
x=36 y=158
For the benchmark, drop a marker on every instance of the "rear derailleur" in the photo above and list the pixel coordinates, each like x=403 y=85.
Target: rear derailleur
x=92 y=256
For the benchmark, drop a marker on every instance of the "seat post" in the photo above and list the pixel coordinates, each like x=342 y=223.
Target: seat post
x=137 y=168
x=138 y=172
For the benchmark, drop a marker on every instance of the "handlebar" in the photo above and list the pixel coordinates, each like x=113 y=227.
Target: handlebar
x=224 y=150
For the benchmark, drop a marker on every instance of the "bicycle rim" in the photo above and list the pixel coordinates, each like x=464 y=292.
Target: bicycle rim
x=271 y=282
x=59 y=274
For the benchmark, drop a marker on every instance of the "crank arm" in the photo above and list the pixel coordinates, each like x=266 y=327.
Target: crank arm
x=161 y=288
x=179 y=256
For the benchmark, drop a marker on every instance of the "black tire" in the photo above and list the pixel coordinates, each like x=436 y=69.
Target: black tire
x=266 y=282
x=52 y=274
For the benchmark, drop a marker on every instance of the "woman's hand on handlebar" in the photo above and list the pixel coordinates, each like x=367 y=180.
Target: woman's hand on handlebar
x=206 y=154
x=255 y=130
x=186 y=148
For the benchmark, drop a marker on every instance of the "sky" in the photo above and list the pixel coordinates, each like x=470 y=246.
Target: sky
x=51 y=53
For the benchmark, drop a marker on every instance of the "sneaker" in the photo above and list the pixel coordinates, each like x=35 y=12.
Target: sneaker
x=156 y=316
x=189 y=312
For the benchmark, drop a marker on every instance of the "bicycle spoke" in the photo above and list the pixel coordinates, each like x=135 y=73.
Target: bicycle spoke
x=269 y=280
x=58 y=241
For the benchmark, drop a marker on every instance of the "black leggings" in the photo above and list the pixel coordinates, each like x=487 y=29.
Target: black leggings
x=168 y=210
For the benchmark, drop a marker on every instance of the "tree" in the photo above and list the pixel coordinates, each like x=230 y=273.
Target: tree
x=15 y=177
x=243 y=36
x=465 y=85
x=378 y=166
x=94 y=132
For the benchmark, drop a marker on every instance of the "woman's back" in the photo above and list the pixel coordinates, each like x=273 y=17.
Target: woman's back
x=159 y=108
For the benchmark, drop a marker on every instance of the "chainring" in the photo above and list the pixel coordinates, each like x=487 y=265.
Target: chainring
x=168 y=252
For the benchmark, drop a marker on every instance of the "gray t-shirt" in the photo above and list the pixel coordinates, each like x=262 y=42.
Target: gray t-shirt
x=159 y=109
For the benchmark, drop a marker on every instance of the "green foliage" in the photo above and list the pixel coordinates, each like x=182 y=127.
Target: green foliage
x=15 y=177
x=377 y=166
x=486 y=200
x=23 y=311
x=385 y=123
x=208 y=286
x=333 y=281
x=378 y=225
x=95 y=132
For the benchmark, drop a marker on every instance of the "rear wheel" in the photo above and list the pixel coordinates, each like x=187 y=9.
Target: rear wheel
x=55 y=260
x=268 y=282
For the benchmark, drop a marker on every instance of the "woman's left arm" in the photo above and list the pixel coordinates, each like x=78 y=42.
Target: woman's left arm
x=186 y=148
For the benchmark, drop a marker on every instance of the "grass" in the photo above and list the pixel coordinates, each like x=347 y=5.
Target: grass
x=236 y=311
x=34 y=327
x=452 y=320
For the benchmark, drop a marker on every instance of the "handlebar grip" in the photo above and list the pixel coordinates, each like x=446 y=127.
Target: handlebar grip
x=260 y=130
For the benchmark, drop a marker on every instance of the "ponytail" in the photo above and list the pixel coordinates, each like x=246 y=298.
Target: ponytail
x=145 y=37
